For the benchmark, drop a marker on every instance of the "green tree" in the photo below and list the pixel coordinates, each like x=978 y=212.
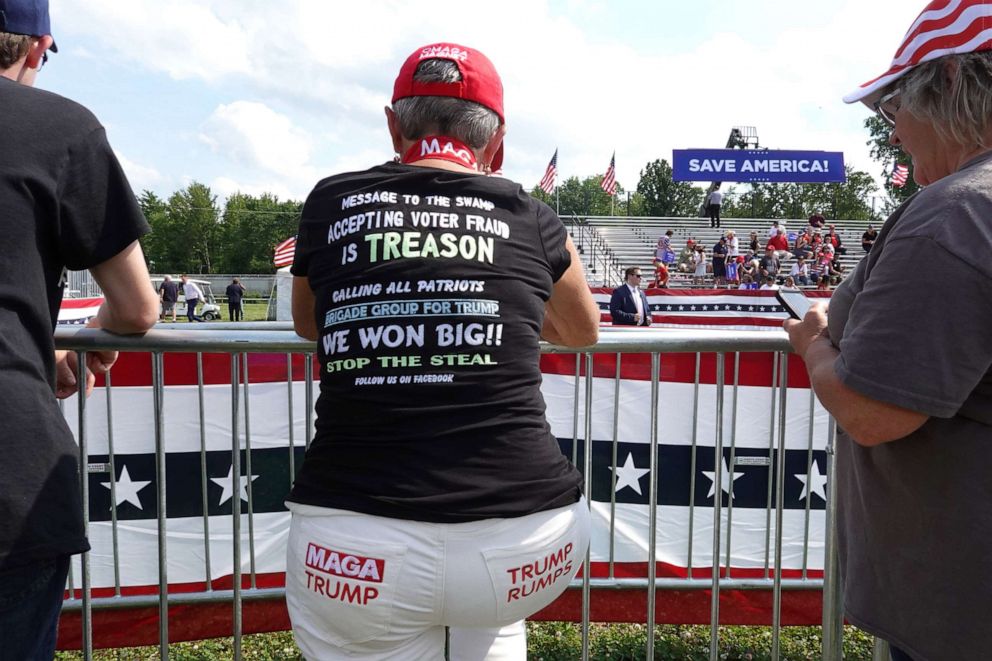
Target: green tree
x=888 y=155
x=848 y=200
x=251 y=227
x=155 y=244
x=584 y=197
x=663 y=196
x=189 y=231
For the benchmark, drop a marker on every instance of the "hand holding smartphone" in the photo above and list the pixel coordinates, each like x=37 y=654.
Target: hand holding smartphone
x=794 y=301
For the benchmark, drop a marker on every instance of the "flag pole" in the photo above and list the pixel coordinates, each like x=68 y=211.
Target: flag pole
x=557 y=199
x=613 y=195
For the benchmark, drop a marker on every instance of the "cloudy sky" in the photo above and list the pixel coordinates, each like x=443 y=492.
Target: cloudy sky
x=271 y=95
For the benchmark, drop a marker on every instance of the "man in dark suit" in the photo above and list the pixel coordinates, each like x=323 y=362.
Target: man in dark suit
x=629 y=305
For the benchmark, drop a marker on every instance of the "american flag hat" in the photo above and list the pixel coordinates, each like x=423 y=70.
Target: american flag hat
x=945 y=27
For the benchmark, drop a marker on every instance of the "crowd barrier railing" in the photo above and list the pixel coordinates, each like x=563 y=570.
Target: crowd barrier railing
x=240 y=340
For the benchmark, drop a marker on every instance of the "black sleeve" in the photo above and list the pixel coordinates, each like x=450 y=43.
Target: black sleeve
x=304 y=243
x=98 y=215
x=553 y=236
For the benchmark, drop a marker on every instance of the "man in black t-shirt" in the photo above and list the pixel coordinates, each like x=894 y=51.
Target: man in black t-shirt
x=66 y=204
x=235 y=293
x=868 y=238
x=168 y=293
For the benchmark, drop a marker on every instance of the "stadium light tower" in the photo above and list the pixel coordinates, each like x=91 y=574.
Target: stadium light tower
x=741 y=137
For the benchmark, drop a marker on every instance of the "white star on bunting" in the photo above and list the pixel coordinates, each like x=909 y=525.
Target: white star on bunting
x=225 y=482
x=724 y=479
x=813 y=482
x=126 y=489
x=630 y=475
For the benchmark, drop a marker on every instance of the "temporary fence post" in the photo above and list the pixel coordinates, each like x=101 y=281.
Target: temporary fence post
x=587 y=475
x=115 y=543
x=733 y=458
x=158 y=387
x=653 y=503
x=236 y=504
x=575 y=410
x=289 y=412
x=779 y=508
x=84 y=481
x=207 y=574
x=613 y=459
x=833 y=617
x=308 y=368
x=717 y=503
x=250 y=475
x=692 y=465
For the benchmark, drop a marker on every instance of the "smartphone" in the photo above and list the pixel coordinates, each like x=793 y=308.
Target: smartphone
x=794 y=301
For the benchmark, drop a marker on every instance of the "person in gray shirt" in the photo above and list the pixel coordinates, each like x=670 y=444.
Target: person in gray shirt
x=904 y=363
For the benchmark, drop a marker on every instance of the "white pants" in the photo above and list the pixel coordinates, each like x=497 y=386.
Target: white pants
x=368 y=587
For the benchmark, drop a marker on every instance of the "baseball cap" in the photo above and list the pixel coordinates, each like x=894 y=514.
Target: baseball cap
x=28 y=17
x=945 y=27
x=480 y=82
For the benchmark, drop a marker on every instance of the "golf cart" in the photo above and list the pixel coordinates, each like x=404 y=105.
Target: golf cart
x=209 y=309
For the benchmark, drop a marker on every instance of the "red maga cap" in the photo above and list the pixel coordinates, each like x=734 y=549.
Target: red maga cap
x=945 y=27
x=480 y=82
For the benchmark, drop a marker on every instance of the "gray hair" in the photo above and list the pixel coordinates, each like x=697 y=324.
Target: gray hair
x=960 y=106
x=420 y=116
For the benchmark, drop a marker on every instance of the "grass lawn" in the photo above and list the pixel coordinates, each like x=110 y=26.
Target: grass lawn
x=552 y=641
x=252 y=312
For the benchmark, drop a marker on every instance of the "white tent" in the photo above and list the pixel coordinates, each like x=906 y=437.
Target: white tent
x=283 y=295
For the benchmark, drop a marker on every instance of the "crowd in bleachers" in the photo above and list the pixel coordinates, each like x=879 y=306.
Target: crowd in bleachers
x=808 y=257
x=767 y=254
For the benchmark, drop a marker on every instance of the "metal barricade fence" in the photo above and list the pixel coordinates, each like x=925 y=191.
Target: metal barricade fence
x=239 y=340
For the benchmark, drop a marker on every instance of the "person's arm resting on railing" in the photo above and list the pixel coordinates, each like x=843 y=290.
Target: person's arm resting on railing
x=130 y=303
x=130 y=306
x=304 y=319
x=571 y=315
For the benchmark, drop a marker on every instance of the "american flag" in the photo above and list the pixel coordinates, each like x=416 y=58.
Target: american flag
x=548 y=182
x=284 y=253
x=610 y=178
x=899 y=175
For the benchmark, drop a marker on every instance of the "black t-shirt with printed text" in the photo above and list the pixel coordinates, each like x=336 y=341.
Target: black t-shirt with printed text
x=430 y=290
x=64 y=202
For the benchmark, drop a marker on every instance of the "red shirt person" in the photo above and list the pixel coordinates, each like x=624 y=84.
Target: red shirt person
x=779 y=243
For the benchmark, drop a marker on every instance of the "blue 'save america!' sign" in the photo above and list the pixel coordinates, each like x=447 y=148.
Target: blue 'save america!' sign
x=758 y=165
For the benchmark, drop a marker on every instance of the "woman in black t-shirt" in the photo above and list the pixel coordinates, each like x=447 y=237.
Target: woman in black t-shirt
x=434 y=493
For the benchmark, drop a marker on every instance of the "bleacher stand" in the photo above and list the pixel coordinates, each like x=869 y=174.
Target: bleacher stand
x=609 y=244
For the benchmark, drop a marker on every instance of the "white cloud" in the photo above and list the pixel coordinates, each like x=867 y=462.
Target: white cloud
x=257 y=136
x=183 y=38
x=320 y=72
x=141 y=177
